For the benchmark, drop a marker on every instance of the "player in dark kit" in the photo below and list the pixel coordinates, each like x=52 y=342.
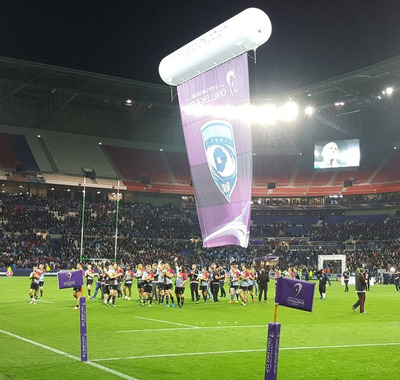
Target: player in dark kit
x=396 y=280
x=89 y=274
x=361 y=286
x=128 y=278
x=194 y=283
x=180 y=282
x=204 y=278
x=214 y=279
x=34 y=288
x=78 y=291
x=346 y=276
x=148 y=278
x=222 y=279
x=322 y=279
x=99 y=282
x=263 y=280
x=168 y=276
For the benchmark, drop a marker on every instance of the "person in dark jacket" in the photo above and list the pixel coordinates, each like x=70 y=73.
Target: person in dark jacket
x=346 y=276
x=361 y=286
x=262 y=281
x=322 y=280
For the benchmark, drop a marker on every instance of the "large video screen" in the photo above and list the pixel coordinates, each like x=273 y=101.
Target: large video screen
x=337 y=154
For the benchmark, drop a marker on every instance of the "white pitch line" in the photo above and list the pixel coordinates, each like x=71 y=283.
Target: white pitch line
x=98 y=366
x=193 y=328
x=171 y=323
x=246 y=351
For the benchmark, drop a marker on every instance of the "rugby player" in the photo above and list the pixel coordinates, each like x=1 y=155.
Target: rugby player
x=234 y=275
x=139 y=277
x=77 y=292
x=89 y=274
x=169 y=275
x=34 y=288
x=41 y=279
x=204 y=278
x=148 y=278
x=180 y=282
x=128 y=278
x=244 y=286
x=194 y=283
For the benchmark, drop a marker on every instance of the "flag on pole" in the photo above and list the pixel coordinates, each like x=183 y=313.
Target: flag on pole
x=217 y=130
x=70 y=279
x=294 y=293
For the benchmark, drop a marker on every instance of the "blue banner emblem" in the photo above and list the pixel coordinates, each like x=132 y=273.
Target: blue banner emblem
x=219 y=146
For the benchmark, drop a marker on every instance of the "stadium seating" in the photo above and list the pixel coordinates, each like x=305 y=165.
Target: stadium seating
x=136 y=164
x=61 y=160
x=179 y=166
x=390 y=171
x=71 y=156
x=278 y=169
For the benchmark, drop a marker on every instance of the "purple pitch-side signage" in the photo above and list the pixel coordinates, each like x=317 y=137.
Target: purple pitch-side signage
x=294 y=293
x=83 y=329
x=70 y=279
x=271 y=364
x=217 y=130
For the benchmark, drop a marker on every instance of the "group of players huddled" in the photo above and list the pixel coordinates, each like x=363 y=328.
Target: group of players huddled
x=161 y=283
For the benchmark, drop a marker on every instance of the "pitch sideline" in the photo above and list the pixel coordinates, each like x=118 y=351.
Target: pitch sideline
x=48 y=348
x=246 y=351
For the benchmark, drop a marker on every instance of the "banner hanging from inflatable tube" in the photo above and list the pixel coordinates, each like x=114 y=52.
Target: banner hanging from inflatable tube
x=217 y=130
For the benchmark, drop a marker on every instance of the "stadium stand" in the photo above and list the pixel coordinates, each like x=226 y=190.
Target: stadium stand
x=390 y=171
x=15 y=153
x=179 y=165
x=274 y=169
x=38 y=153
x=136 y=164
x=71 y=156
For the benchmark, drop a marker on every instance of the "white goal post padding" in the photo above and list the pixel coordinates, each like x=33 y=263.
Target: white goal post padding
x=322 y=258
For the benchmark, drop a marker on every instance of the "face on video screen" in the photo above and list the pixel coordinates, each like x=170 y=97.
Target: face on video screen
x=337 y=154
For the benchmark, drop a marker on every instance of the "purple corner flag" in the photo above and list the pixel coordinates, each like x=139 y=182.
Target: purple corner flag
x=83 y=329
x=294 y=293
x=70 y=279
x=271 y=364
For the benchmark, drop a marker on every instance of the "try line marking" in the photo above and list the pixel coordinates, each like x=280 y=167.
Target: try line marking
x=48 y=348
x=171 y=323
x=192 y=328
x=246 y=351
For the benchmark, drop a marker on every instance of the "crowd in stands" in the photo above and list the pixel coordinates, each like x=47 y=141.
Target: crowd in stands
x=45 y=230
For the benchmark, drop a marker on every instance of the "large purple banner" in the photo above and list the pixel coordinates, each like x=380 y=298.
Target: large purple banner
x=294 y=293
x=70 y=279
x=217 y=130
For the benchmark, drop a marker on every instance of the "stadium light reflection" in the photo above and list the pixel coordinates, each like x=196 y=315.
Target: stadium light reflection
x=309 y=110
x=388 y=91
x=266 y=114
x=288 y=112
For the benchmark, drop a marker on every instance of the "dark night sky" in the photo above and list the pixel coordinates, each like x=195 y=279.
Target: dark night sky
x=312 y=40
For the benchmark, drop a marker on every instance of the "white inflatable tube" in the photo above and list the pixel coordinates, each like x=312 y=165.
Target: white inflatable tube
x=244 y=32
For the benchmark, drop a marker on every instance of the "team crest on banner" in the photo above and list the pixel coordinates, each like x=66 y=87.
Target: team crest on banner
x=219 y=146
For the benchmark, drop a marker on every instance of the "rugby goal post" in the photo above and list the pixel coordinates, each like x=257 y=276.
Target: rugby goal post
x=323 y=258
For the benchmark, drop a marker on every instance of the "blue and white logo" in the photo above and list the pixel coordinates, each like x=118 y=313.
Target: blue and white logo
x=219 y=146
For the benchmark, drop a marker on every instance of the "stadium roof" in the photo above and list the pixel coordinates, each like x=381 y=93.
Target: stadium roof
x=149 y=112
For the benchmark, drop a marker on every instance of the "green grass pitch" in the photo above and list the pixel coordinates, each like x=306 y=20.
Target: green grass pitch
x=201 y=341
